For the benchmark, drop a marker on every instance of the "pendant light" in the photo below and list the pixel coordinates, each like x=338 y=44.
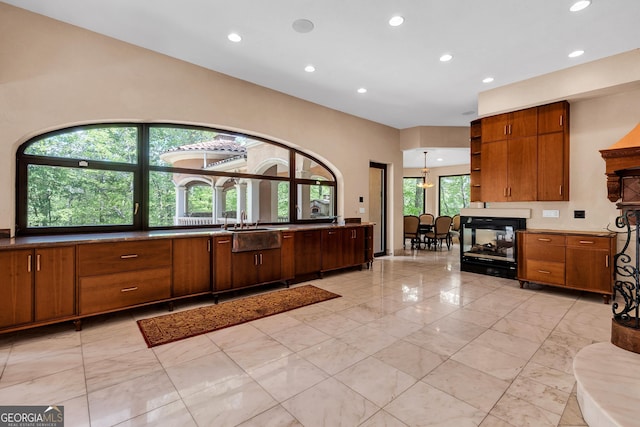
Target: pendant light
x=426 y=181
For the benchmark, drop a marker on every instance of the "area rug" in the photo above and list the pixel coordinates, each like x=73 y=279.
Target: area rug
x=184 y=324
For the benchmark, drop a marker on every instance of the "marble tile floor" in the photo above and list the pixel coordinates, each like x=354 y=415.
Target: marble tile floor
x=412 y=342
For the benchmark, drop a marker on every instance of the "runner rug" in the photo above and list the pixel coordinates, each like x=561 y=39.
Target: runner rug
x=184 y=324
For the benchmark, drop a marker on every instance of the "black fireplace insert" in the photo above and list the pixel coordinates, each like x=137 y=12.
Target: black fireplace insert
x=488 y=245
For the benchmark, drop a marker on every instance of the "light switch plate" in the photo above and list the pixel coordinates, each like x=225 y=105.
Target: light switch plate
x=550 y=213
x=361 y=210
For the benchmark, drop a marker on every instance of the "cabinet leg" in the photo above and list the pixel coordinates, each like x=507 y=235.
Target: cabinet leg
x=78 y=325
x=171 y=306
x=215 y=299
x=606 y=298
x=522 y=282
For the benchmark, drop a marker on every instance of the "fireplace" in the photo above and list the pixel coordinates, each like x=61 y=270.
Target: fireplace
x=488 y=245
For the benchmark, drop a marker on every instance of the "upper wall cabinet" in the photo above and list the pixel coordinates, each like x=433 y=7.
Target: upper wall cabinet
x=523 y=155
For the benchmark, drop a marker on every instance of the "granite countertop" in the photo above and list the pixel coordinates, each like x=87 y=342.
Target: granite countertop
x=594 y=233
x=69 y=239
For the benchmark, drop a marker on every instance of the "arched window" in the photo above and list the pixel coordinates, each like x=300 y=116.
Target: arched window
x=156 y=176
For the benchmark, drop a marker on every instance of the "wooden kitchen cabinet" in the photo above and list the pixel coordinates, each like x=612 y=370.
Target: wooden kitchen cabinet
x=523 y=156
x=354 y=246
x=54 y=274
x=221 y=259
x=553 y=152
x=255 y=267
x=589 y=264
x=574 y=260
x=37 y=286
x=112 y=276
x=509 y=156
x=308 y=258
x=16 y=304
x=475 y=166
x=517 y=124
x=287 y=251
x=332 y=248
x=191 y=266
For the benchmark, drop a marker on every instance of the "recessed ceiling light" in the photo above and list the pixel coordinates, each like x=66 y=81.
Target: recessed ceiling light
x=396 y=21
x=302 y=26
x=487 y=80
x=446 y=57
x=362 y=90
x=309 y=68
x=439 y=159
x=576 y=53
x=234 y=37
x=579 y=5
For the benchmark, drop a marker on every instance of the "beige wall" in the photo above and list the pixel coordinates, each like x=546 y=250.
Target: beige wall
x=55 y=75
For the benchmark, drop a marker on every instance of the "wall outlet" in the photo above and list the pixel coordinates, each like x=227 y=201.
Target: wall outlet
x=551 y=213
x=361 y=210
x=579 y=214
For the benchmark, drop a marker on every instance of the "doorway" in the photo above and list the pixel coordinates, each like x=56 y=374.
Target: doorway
x=378 y=206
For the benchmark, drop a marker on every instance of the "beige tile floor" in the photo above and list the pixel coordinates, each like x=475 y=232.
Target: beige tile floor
x=412 y=342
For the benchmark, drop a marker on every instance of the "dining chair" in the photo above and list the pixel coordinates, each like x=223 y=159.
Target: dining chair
x=441 y=232
x=411 y=230
x=455 y=228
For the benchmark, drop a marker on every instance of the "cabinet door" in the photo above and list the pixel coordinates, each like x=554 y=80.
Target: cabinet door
x=221 y=263
x=523 y=123
x=551 y=167
x=494 y=128
x=522 y=169
x=589 y=269
x=332 y=249
x=553 y=117
x=15 y=287
x=589 y=263
x=245 y=269
x=54 y=283
x=191 y=266
x=287 y=258
x=354 y=246
x=494 y=172
x=308 y=257
x=269 y=269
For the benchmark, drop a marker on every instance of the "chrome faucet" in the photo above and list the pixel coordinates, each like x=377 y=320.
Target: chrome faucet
x=243 y=217
x=257 y=221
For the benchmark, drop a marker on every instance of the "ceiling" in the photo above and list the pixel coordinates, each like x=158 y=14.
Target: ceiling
x=352 y=46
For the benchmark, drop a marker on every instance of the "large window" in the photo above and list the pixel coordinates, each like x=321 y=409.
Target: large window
x=145 y=176
x=412 y=196
x=455 y=194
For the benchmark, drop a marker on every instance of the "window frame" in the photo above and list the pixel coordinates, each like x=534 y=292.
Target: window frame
x=440 y=192
x=141 y=177
x=424 y=192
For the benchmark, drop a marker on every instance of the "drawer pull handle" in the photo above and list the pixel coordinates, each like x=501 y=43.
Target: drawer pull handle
x=543 y=240
x=133 y=288
x=544 y=272
x=223 y=241
x=129 y=256
x=587 y=242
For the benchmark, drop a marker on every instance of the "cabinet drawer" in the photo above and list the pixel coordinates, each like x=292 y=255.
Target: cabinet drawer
x=113 y=291
x=545 y=272
x=545 y=239
x=588 y=242
x=108 y=258
x=544 y=252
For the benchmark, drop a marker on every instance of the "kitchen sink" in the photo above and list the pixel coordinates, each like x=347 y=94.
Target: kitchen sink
x=255 y=239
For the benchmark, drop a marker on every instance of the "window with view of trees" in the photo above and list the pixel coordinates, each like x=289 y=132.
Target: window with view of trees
x=413 y=196
x=144 y=176
x=455 y=194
